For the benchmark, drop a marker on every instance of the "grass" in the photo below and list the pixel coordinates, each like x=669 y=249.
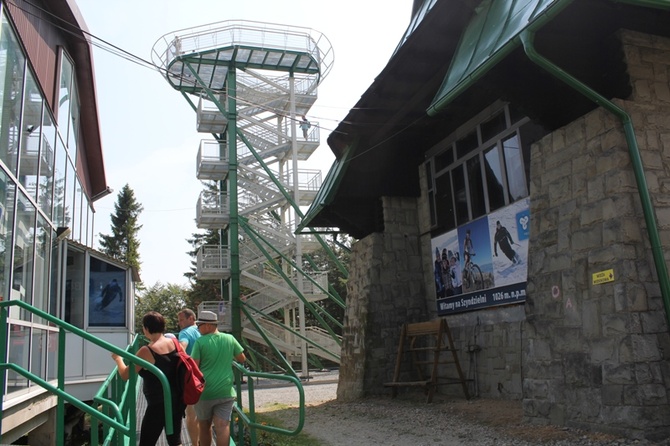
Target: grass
x=265 y=438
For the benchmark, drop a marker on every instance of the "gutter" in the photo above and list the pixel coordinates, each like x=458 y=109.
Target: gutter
x=527 y=37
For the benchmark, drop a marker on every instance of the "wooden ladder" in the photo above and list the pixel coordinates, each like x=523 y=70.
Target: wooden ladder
x=422 y=339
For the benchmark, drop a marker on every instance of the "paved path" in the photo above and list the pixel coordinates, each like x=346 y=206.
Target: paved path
x=269 y=393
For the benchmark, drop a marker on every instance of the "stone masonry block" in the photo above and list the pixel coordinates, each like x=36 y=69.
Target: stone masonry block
x=595 y=188
x=618 y=374
x=575 y=132
x=653 y=322
x=619 y=324
x=587 y=239
x=611 y=395
x=603 y=351
x=560 y=191
x=591 y=319
x=592 y=213
x=617 y=182
x=639 y=348
x=594 y=124
x=561 y=166
x=584 y=403
x=645 y=394
x=644 y=374
x=615 y=158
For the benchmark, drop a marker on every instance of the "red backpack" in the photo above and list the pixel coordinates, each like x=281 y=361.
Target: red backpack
x=190 y=381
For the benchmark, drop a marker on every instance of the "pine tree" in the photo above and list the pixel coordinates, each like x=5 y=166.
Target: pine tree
x=123 y=243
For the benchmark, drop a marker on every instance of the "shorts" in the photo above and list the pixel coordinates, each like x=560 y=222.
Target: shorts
x=220 y=408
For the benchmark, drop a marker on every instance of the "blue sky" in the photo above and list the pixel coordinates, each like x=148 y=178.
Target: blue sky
x=148 y=129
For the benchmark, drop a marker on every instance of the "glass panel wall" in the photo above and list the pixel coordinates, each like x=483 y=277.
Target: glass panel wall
x=77 y=221
x=59 y=184
x=483 y=171
x=64 y=94
x=19 y=344
x=74 y=288
x=39 y=192
x=38 y=352
x=73 y=130
x=46 y=172
x=30 y=137
x=12 y=66
x=42 y=255
x=24 y=245
x=7 y=195
x=68 y=197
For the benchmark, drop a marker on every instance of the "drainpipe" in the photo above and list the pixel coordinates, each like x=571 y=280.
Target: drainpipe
x=527 y=38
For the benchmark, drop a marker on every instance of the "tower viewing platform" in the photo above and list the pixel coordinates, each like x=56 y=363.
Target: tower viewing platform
x=214 y=48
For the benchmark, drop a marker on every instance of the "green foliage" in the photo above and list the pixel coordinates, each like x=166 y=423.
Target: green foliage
x=123 y=243
x=168 y=300
x=202 y=290
x=321 y=261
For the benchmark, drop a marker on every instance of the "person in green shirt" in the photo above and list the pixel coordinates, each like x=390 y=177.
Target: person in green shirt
x=214 y=353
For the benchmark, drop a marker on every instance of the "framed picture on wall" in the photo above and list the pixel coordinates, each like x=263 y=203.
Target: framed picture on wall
x=107 y=295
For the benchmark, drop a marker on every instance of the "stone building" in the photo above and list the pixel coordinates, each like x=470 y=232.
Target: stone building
x=547 y=120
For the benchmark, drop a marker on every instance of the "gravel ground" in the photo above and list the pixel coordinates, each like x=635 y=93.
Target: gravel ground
x=409 y=420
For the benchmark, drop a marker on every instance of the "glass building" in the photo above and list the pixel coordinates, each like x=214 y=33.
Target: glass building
x=51 y=173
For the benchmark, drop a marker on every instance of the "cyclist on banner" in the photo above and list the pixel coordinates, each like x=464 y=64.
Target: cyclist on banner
x=468 y=249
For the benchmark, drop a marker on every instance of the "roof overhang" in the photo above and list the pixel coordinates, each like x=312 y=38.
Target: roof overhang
x=462 y=57
x=75 y=34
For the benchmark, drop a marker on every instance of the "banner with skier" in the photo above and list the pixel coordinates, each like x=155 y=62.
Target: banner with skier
x=484 y=262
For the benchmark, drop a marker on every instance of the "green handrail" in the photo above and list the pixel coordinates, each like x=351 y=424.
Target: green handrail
x=59 y=390
x=124 y=393
x=250 y=420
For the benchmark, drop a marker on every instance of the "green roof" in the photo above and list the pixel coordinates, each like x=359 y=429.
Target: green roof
x=491 y=35
x=328 y=189
x=494 y=32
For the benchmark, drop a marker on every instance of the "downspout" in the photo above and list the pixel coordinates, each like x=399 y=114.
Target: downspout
x=527 y=38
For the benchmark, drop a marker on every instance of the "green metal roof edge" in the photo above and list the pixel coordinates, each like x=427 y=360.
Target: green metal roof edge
x=330 y=185
x=481 y=29
x=415 y=22
x=480 y=59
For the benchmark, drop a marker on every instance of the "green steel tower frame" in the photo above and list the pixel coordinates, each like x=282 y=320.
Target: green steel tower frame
x=248 y=82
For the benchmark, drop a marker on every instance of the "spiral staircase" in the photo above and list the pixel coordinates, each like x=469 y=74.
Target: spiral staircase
x=249 y=84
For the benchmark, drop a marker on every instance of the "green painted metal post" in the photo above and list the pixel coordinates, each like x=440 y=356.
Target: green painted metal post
x=233 y=232
x=3 y=358
x=60 y=411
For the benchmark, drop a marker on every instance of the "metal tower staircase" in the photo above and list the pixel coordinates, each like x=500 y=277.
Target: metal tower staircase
x=249 y=84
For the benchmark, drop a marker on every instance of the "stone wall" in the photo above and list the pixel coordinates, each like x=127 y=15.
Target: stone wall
x=385 y=290
x=596 y=356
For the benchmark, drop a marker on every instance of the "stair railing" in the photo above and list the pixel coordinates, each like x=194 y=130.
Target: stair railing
x=117 y=422
x=249 y=419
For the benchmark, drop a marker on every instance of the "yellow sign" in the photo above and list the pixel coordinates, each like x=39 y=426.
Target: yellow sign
x=603 y=277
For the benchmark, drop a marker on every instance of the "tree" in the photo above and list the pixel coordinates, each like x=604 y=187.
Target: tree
x=337 y=281
x=202 y=290
x=123 y=243
x=168 y=300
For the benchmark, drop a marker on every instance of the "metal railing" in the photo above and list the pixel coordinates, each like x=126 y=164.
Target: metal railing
x=120 y=419
x=249 y=420
x=244 y=33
